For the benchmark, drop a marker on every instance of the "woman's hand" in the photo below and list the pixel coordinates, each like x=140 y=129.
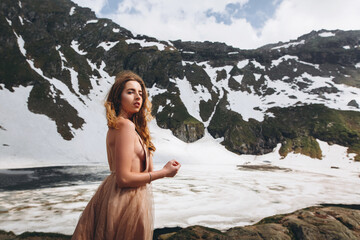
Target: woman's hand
x=171 y=168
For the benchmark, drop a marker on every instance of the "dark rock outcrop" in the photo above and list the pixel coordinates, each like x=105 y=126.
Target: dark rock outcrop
x=189 y=132
x=33 y=236
x=353 y=103
x=321 y=222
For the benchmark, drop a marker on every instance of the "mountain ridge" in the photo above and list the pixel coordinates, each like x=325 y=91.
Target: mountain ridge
x=69 y=58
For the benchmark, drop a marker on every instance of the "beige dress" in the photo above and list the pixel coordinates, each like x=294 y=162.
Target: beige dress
x=118 y=213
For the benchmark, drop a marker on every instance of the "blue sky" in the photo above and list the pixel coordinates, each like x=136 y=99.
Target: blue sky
x=241 y=23
x=256 y=12
x=110 y=6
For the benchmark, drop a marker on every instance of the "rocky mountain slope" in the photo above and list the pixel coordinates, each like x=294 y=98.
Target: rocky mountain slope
x=61 y=59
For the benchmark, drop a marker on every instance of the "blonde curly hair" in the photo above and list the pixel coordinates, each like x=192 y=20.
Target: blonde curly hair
x=113 y=106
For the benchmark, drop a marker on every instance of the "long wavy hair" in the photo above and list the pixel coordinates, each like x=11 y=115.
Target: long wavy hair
x=141 y=118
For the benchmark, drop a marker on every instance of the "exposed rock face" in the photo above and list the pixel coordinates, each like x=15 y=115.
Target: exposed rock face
x=326 y=222
x=353 y=103
x=190 y=132
x=296 y=128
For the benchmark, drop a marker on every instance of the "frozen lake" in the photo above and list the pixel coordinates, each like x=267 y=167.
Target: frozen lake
x=214 y=188
x=215 y=195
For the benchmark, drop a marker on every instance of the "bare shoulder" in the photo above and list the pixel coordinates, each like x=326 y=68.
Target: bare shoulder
x=124 y=134
x=125 y=126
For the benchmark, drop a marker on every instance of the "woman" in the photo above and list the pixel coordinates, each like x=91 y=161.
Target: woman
x=122 y=206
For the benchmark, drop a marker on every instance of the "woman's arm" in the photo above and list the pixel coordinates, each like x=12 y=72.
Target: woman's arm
x=151 y=165
x=124 y=153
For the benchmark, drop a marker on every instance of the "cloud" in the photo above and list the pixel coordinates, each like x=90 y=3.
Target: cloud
x=231 y=11
x=294 y=18
x=230 y=21
x=95 y=5
x=257 y=12
x=171 y=20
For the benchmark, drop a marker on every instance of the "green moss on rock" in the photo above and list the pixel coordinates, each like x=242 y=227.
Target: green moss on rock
x=305 y=145
x=295 y=127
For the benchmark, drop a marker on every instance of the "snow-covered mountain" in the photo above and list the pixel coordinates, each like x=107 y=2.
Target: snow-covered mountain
x=58 y=61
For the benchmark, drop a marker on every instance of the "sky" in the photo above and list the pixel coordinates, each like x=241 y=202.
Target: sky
x=246 y=24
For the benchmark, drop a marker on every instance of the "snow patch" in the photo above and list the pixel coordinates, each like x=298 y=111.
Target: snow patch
x=357 y=65
x=347 y=47
x=238 y=78
x=160 y=109
x=232 y=53
x=21 y=20
x=72 y=11
x=257 y=76
x=191 y=98
x=74 y=80
x=336 y=155
x=257 y=65
x=143 y=43
x=203 y=92
x=284 y=91
x=236 y=99
x=188 y=52
x=241 y=64
x=116 y=30
x=103 y=74
x=170 y=43
x=269 y=114
x=107 y=45
x=73 y=73
x=92 y=21
x=317 y=66
x=244 y=104
x=326 y=34
x=65 y=91
x=287 y=45
x=75 y=45
x=275 y=63
x=317 y=81
x=21 y=44
x=154 y=90
x=337 y=100
x=184 y=63
x=9 y=21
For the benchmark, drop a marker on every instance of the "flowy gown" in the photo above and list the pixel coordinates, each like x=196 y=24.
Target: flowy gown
x=118 y=213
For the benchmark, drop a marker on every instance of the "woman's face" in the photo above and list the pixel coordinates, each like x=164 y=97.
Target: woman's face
x=131 y=99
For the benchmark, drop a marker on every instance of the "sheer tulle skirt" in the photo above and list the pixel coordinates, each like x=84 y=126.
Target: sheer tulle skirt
x=117 y=213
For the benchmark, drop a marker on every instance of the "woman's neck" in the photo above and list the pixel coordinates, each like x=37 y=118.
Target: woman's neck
x=125 y=115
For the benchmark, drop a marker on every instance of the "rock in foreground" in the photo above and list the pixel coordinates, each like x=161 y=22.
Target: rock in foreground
x=321 y=222
x=33 y=236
